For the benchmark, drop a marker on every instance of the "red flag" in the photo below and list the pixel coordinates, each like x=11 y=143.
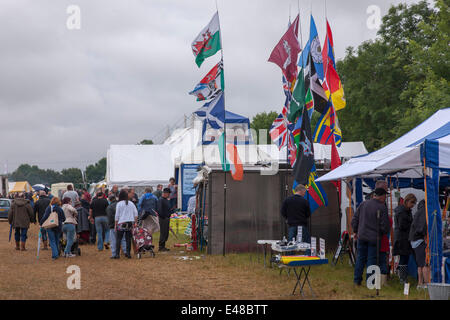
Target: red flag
x=336 y=162
x=286 y=52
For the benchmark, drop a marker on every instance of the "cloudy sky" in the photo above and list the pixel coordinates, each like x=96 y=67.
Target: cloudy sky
x=66 y=95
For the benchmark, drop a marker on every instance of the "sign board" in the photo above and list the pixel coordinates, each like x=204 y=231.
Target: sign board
x=188 y=174
x=322 y=248
x=313 y=246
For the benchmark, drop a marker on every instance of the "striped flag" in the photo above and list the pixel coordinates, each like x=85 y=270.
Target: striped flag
x=315 y=193
x=230 y=159
x=327 y=128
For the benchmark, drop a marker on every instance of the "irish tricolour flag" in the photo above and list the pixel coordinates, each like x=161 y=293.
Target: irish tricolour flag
x=207 y=42
x=230 y=159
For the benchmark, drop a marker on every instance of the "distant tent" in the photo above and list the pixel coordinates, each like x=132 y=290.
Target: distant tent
x=20 y=186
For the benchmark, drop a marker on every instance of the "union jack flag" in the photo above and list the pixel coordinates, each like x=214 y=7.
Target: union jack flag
x=278 y=130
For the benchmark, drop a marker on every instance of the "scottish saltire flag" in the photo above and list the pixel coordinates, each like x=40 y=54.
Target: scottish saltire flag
x=213 y=114
x=211 y=85
x=279 y=130
x=207 y=43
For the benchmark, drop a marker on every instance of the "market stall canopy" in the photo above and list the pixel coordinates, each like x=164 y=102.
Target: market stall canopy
x=404 y=155
x=20 y=186
x=321 y=152
x=139 y=165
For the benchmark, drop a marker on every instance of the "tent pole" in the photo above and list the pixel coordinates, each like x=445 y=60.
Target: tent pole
x=427 y=260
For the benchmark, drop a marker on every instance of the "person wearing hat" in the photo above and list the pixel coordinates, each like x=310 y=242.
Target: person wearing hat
x=164 y=212
x=364 y=224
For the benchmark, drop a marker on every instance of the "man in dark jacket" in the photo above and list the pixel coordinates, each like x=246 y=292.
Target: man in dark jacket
x=39 y=210
x=296 y=211
x=164 y=219
x=97 y=214
x=364 y=224
x=418 y=238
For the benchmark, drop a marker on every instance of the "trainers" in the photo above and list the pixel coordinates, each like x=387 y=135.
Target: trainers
x=69 y=255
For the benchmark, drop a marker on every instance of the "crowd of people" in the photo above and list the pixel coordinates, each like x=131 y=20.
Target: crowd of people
x=107 y=219
x=371 y=225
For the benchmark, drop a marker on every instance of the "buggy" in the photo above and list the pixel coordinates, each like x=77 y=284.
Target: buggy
x=143 y=241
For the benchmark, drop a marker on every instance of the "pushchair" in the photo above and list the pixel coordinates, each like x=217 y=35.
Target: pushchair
x=74 y=250
x=143 y=241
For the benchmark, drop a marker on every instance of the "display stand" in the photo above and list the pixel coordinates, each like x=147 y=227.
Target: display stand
x=345 y=246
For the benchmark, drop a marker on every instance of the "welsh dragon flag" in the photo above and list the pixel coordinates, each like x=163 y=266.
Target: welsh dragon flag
x=207 y=42
x=230 y=159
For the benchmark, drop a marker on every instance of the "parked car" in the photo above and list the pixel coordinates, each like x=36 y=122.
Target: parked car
x=5 y=205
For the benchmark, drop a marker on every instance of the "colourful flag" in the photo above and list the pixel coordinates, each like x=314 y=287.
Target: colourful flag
x=332 y=83
x=211 y=85
x=279 y=130
x=312 y=83
x=213 y=114
x=312 y=48
x=298 y=98
x=230 y=159
x=315 y=193
x=305 y=151
x=286 y=52
x=327 y=129
x=335 y=162
x=207 y=43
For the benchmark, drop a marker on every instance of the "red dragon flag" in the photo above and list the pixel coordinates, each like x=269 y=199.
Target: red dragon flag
x=208 y=41
x=286 y=52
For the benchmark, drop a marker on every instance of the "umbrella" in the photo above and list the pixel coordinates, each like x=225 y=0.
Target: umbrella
x=39 y=243
x=39 y=187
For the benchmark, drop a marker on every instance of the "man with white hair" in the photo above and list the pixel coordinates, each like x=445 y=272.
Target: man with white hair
x=296 y=211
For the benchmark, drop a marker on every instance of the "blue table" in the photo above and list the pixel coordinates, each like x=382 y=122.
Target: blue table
x=305 y=267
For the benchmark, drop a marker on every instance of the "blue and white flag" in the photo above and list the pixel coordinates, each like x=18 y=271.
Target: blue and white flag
x=213 y=114
x=313 y=46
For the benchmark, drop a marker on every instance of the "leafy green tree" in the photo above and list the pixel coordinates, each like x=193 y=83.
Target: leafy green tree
x=72 y=175
x=263 y=121
x=396 y=81
x=96 y=172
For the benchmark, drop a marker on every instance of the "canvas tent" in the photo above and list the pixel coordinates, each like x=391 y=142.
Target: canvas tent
x=424 y=149
x=20 y=186
x=139 y=165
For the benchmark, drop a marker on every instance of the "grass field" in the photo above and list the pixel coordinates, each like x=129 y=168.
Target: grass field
x=234 y=277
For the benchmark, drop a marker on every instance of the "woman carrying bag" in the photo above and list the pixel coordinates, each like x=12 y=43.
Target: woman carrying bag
x=52 y=221
x=69 y=226
x=126 y=217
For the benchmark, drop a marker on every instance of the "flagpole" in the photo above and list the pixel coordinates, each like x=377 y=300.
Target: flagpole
x=225 y=142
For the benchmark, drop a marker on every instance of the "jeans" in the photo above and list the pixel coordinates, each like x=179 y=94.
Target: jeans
x=54 y=236
x=292 y=234
x=112 y=240
x=366 y=254
x=120 y=235
x=69 y=231
x=20 y=234
x=101 y=225
x=44 y=234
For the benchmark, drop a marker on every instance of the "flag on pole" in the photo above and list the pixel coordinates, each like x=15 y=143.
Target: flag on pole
x=279 y=130
x=305 y=156
x=315 y=193
x=298 y=98
x=312 y=83
x=213 y=114
x=313 y=48
x=229 y=157
x=211 y=85
x=331 y=82
x=327 y=128
x=286 y=52
x=207 y=43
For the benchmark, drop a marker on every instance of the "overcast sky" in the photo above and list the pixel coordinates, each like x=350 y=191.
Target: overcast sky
x=124 y=76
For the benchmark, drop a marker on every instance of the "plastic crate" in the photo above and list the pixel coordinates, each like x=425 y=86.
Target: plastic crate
x=439 y=291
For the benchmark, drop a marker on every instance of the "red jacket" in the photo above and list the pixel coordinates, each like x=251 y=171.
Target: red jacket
x=385 y=240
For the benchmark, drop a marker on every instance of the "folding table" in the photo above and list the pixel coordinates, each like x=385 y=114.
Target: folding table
x=305 y=267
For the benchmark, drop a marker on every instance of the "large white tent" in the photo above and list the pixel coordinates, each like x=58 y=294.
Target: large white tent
x=139 y=165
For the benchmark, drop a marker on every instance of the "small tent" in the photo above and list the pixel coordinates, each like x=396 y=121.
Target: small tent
x=20 y=186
